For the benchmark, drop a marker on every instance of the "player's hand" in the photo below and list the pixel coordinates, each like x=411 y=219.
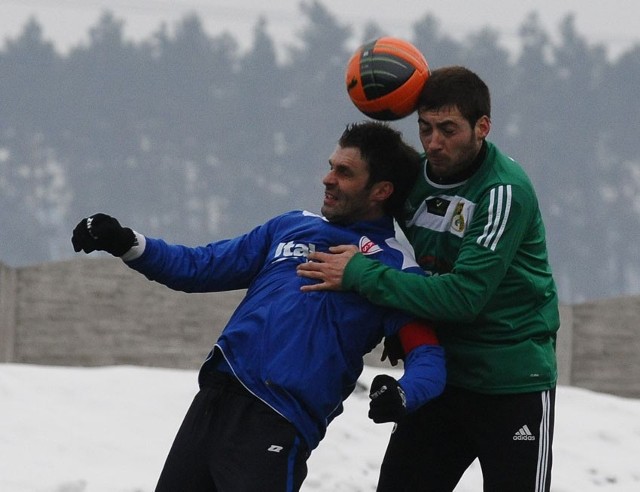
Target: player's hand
x=388 y=401
x=328 y=268
x=101 y=232
x=392 y=350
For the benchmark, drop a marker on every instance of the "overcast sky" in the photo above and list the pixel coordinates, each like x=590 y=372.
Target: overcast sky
x=66 y=22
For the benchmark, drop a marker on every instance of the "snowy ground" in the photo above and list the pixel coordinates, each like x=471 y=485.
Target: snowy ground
x=109 y=429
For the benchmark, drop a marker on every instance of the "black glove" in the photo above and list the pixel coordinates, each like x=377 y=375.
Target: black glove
x=101 y=232
x=388 y=401
x=392 y=350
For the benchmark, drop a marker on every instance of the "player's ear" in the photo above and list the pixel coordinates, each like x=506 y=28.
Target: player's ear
x=483 y=126
x=381 y=191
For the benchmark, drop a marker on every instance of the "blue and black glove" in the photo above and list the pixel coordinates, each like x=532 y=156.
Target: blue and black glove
x=388 y=401
x=101 y=232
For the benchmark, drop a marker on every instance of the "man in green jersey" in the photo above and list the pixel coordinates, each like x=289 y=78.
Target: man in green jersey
x=474 y=222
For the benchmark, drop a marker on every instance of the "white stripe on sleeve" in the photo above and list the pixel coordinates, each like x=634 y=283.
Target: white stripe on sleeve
x=499 y=209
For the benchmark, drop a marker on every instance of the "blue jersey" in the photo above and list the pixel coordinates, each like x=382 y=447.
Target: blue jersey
x=299 y=352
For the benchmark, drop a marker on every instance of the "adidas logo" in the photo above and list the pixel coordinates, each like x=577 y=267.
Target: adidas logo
x=524 y=434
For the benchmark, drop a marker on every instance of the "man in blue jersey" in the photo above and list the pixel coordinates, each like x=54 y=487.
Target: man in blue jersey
x=287 y=359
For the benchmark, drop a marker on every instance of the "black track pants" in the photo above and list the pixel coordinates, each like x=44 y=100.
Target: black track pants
x=511 y=435
x=230 y=441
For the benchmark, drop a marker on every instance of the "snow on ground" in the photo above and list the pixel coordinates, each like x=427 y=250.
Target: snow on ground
x=108 y=429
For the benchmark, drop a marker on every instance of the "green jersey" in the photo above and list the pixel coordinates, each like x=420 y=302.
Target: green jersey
x=489 y=287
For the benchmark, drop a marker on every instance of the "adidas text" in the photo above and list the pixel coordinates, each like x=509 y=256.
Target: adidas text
x=524 y=434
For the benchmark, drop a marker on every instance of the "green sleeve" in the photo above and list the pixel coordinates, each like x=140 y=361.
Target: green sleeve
x=461 y=294
x=439 y=297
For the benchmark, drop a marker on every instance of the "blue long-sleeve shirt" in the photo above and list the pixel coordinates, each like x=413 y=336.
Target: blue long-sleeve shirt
x=299 y=352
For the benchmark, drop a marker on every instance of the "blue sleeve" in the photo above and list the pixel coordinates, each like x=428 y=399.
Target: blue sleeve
x=219 y=266
x=424 y=375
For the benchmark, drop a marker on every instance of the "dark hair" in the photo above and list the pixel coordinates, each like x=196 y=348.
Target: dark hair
x=459 y=87
x=389 y=159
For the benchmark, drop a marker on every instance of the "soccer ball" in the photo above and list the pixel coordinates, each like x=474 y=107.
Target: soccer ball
x=385 y=77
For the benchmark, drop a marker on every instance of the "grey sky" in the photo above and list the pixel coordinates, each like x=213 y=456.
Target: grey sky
x=66 y=22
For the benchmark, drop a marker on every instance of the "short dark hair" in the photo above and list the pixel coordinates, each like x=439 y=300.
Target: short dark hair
x=456 y=86
x=389 y=158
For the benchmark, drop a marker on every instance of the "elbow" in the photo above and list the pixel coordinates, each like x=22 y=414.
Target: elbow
x=467 y=306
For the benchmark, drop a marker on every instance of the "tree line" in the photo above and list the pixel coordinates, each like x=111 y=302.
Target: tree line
x=185 y=136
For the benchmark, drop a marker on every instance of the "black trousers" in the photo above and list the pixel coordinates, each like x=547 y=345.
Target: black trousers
x=230 y=441
x=511 y=435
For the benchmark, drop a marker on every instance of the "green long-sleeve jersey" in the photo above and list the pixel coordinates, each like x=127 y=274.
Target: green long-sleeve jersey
x=489 y=288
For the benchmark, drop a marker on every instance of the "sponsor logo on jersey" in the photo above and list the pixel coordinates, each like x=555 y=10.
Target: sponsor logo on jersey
x=444 y=213
x=368 y=247
x=292 y=249
x=437 y=205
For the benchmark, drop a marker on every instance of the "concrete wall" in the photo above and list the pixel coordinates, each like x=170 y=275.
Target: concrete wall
x=99 y=312
x=7 y=313
x=93 y=312
x=606 y=348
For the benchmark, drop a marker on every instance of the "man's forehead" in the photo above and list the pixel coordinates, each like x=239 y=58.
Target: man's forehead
x=347 y=155
x=444 y=113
